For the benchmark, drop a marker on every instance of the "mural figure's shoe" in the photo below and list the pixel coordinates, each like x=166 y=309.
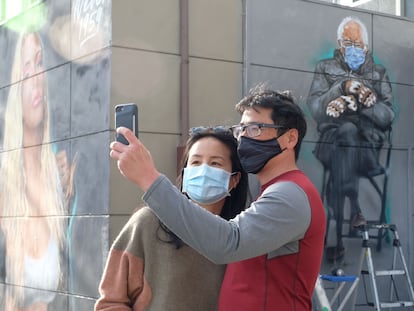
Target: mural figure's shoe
x=358 y=220
x=335 y=253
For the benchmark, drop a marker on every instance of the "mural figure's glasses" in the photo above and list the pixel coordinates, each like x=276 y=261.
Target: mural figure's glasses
x=348 y=43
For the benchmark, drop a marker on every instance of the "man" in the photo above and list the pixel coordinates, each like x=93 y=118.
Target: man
x=350 y=99
x=274 y=248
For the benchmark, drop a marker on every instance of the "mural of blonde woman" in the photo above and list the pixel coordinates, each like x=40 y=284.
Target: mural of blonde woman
x=33 y=187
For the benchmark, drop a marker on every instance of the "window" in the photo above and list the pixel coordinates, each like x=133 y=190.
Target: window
x=394 y=7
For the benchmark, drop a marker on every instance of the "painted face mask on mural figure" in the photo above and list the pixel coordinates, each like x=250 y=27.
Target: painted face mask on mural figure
x=206 y=184
x=254 y=153
x=354 y=57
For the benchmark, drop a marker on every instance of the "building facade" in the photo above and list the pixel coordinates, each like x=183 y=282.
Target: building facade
x=184 y=63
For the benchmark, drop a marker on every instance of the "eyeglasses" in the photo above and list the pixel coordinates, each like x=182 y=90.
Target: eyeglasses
x=253 y=129
x=348 y=43
x=207 y=129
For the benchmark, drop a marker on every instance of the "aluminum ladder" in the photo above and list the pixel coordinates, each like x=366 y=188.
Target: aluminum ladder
x=394 y=273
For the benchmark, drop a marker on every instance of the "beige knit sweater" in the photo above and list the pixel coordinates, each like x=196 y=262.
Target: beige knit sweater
x=144 y=273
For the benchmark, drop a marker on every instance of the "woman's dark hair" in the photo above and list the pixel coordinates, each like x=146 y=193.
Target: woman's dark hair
x=234 y=203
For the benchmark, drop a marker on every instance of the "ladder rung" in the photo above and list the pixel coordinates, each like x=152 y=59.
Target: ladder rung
x=397 y=304
x=389 y=272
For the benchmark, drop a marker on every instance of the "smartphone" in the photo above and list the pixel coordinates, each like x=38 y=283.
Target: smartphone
x=126 y=115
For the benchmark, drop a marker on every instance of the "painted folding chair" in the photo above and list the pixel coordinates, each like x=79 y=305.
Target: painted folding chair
x=322 y=302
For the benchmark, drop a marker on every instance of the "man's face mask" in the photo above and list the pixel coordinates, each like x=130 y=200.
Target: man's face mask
x=254 y=153
x=206 y=184
x=354 y=57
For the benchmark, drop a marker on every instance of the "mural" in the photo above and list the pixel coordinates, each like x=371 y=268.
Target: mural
x=39 y=184
x=53 y=55
x=350 y=99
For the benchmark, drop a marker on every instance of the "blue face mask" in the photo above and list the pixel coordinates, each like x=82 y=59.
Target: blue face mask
x=354 y=57
x=206 y=184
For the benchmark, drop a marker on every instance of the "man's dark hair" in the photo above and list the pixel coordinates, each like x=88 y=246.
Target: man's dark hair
x=285 y=111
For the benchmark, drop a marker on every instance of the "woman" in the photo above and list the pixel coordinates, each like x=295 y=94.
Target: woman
x=32 y=200
x=149 y=268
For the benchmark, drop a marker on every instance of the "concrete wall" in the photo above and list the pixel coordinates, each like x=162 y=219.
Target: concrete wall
x=146 y=66
x=100 y=54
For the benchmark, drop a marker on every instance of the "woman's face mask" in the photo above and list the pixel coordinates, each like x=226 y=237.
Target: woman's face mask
x=354 y=57
x=206 y=184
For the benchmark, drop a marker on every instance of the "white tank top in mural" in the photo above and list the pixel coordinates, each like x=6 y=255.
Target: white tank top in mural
x=41 y=276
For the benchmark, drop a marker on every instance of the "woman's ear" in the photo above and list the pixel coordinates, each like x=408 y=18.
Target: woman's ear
x=234 y=180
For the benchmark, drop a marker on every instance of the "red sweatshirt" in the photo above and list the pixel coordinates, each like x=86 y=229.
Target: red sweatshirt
x=284 y=279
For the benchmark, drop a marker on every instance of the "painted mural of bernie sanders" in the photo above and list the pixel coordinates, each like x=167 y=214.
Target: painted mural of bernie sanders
x=350 y=99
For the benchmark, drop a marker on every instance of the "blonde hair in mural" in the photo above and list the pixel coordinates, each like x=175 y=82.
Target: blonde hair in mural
x=16 y=210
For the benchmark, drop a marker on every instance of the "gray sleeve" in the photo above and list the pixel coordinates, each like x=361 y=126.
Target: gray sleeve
x=281 y=215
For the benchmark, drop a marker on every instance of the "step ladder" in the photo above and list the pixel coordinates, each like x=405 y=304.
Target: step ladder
x=394 y=273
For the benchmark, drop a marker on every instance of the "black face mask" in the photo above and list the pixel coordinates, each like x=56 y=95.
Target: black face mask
x=254 y=154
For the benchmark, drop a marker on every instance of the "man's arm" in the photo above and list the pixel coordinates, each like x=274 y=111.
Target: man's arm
x=280 y=216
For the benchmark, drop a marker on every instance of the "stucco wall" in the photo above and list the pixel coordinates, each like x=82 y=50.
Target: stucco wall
x=146 y=70
x=129 y=51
